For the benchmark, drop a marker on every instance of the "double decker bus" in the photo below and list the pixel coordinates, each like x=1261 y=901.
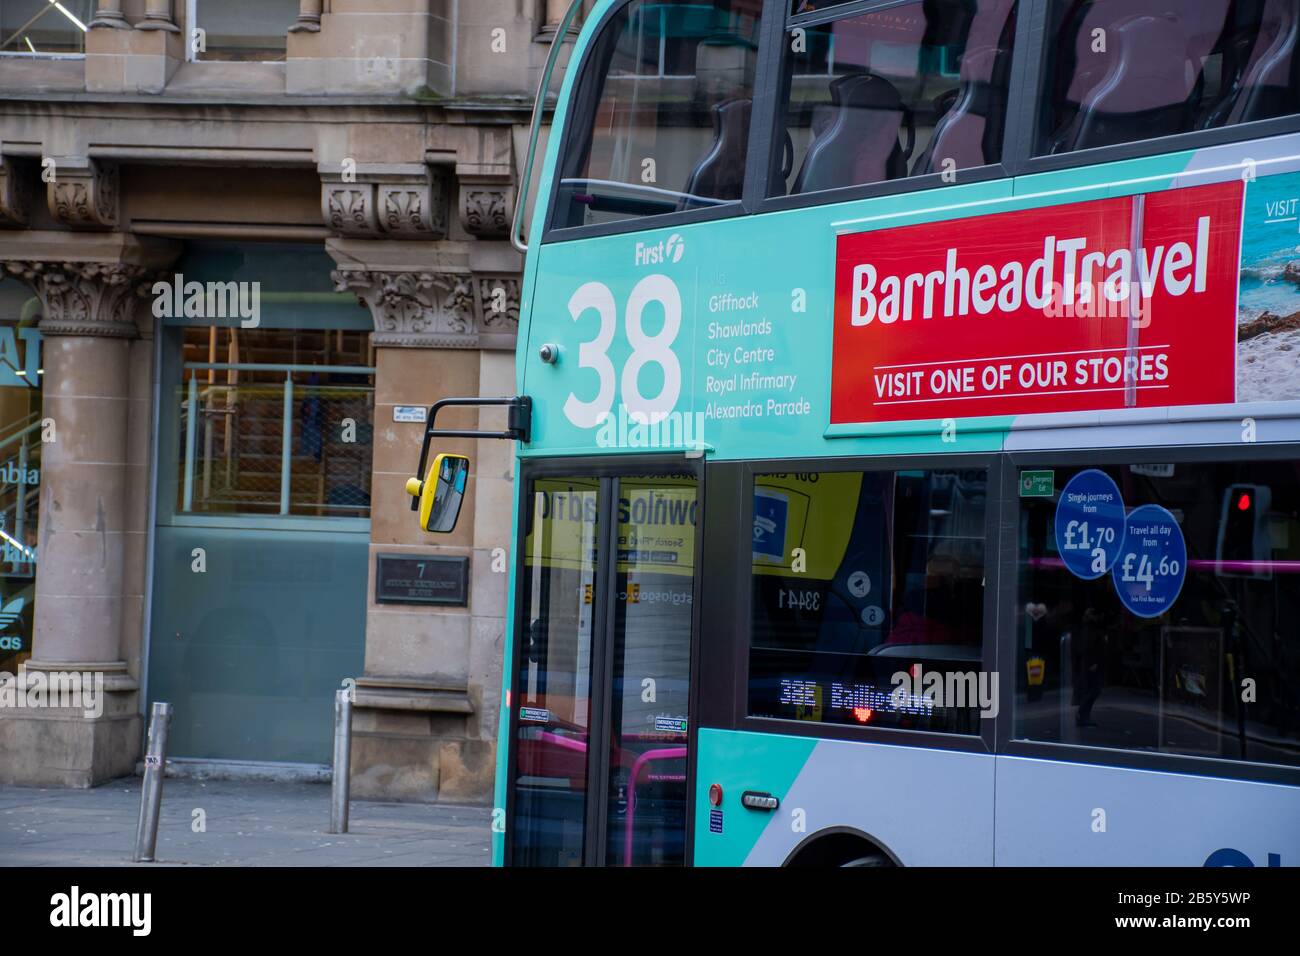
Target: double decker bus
x=913 y=468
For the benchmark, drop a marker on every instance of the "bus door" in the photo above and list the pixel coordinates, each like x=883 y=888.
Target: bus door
x=601 y=680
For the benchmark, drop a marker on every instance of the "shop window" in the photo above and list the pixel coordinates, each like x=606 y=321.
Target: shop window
x=275 y=422
x=44 y=28
x=253 y=30
x=20 y=469
x=860 y=577
x=1157 y=609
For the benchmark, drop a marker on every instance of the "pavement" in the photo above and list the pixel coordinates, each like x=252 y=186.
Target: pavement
x=235 y=823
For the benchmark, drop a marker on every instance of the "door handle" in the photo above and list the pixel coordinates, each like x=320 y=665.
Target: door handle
x=759 y=800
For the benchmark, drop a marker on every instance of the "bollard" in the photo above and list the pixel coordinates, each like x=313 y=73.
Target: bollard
x=155 y=756
x=342 y=761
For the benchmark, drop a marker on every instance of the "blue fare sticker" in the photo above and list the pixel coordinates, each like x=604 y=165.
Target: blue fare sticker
x=1152 y=566
x=715 y=821
x=771 y=509
x=1090 y=524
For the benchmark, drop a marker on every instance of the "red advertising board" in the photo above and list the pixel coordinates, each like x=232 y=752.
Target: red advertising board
x=1114 y=303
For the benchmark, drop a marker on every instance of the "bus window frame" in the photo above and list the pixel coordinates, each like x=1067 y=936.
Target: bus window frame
x=606 y=470
x=582 y=102
x=1008 y=554
x=1029 y=162
x=741 y=585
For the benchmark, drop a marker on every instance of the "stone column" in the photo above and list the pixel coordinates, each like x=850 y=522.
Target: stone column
x=108 y=13
x=139 y=60
x=158 y=16
x=93 y=502
x=426 y=706
x=309 y=14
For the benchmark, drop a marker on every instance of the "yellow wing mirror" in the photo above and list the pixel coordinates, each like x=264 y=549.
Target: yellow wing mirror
x=441 y=493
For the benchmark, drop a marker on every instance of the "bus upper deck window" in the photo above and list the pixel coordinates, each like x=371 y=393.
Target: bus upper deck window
x=661 y=112
x=908 y=90
x=1126 y=70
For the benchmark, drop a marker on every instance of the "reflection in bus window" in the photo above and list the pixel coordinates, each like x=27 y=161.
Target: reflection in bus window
x=1217 y=674
x=668 y=92
x=553 y=683
x=908 y=90
x=859 y=577
x=651 y=669
x=1125 y=70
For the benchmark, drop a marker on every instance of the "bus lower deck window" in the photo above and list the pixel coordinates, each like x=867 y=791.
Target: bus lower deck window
x=864 y=584
x=1170 y=624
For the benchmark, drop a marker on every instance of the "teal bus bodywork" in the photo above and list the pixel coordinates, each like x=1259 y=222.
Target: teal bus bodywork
x=788 y=258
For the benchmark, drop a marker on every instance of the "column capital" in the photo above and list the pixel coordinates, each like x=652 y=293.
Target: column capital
x=420 y=300
x=415 y=309
x=88 y=285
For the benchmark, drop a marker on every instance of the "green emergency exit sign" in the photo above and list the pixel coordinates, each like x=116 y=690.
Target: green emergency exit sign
x=1037 y=484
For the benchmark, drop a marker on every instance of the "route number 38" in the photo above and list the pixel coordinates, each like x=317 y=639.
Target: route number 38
x=646 y=350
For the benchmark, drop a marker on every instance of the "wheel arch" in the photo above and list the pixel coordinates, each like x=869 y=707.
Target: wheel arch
x=838 y=844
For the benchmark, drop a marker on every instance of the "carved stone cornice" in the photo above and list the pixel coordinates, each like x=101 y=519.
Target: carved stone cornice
x=497 y=310
x=486 y=205
x=15 y=194
x=349 y=208
x=416 y=309
x=86 y=298
x=83 y=192
x=401 y=201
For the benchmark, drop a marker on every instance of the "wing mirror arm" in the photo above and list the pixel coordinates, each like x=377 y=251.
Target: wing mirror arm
x=518 y=426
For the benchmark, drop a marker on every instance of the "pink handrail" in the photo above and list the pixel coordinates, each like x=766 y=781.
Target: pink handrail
x=664 y=753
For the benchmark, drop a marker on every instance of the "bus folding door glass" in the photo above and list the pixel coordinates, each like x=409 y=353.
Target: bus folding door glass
x=553 y=685
x=668 y=90
x=651 y=653
x=908 y=90
x=868 y=599
x=1125 y=70
x=1166 y=622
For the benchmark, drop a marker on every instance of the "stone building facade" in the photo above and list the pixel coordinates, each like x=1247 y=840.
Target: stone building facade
x=357 y=160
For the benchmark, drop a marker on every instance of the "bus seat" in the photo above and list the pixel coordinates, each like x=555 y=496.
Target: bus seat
x=1268 y=85
x=860 y=144
x=1148 y=91
x=720 y=173
x=970 y=132
x=1191 y=31
x=1237 y=48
